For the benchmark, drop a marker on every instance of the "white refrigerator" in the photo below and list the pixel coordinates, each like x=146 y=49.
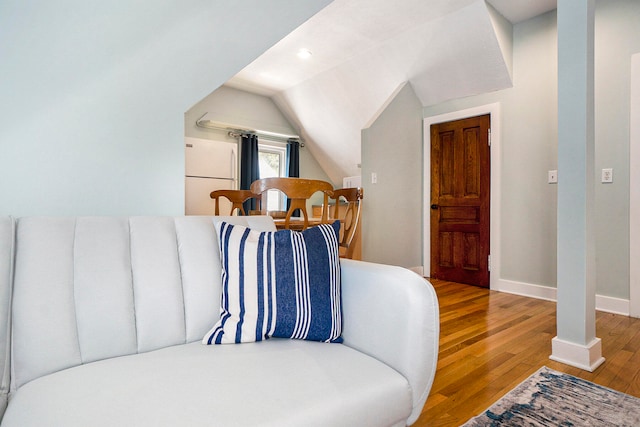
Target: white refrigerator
x=209 y=165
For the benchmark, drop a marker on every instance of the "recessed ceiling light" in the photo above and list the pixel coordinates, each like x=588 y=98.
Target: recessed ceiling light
x=304 y=54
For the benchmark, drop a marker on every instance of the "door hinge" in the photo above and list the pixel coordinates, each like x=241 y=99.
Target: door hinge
x=489 y=138
x=489 y=263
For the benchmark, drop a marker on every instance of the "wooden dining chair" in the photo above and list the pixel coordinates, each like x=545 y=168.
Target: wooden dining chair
x=298 y=191
x=349 y=216
x=236 y=197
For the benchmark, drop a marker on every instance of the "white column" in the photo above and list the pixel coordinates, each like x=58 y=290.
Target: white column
x=576 y=343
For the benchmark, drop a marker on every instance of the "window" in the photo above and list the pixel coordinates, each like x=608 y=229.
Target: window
x=272 y=157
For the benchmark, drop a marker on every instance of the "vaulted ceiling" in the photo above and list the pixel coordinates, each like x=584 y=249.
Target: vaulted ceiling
x=362 y=50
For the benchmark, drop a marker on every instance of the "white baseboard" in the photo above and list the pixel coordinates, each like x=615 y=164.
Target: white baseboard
x=603 y=303
x=419 y=270
x=613 y=305
x=527 y=290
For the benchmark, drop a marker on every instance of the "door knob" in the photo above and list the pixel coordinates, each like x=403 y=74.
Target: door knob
x=434 y=206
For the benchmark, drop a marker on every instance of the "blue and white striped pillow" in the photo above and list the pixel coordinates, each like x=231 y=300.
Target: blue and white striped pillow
x=283 y=284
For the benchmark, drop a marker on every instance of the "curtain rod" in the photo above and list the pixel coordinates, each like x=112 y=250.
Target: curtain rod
x=236 y=131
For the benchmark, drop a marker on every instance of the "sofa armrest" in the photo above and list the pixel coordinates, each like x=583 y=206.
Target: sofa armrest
x=7 y=249
x=392 y=314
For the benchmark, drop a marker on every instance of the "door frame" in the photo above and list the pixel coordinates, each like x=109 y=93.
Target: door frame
x=494 y=238
x=634 y=188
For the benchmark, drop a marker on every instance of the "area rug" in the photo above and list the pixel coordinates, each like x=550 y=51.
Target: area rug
x=550 y=398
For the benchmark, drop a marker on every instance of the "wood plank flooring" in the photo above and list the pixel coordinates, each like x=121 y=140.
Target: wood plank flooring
x=491 y=341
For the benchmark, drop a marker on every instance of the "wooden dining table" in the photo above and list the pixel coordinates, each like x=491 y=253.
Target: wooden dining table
x=297 y=223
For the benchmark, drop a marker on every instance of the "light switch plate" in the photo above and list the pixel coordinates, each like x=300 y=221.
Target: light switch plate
x=607 y=175
x=553 y=177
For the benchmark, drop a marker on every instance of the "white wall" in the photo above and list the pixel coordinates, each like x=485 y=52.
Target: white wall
x=392 y=208
x=93 y=95
x=229 y=105
x=529 y=148
x=634 y=181
x=504 y=33
x=617 y=37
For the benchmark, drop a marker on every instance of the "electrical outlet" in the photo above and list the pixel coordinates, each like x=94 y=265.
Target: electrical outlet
x=553 y=177
x=607 y=175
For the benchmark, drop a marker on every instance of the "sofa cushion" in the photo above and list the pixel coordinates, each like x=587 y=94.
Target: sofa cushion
x=282 y=284
x=283 y=382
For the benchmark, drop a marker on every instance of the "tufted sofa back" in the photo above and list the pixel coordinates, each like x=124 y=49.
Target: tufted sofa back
x=91 y=288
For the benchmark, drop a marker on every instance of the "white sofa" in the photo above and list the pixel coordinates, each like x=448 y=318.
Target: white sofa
x=101 y=322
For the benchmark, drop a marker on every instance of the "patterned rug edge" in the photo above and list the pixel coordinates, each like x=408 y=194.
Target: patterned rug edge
x=549 y=397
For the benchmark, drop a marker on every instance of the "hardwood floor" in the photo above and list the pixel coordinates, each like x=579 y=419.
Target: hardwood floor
x=491 y=341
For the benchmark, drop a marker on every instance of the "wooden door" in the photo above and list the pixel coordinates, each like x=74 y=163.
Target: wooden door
x=460 y=184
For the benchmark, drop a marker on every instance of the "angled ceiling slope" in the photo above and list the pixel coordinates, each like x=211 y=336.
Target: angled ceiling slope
x=363 y=50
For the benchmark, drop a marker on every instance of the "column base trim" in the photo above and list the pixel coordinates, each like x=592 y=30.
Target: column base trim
x=586 y=357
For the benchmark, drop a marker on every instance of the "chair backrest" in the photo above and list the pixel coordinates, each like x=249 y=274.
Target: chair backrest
x=236 y=197
x=298 y=191
x=350 y=218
